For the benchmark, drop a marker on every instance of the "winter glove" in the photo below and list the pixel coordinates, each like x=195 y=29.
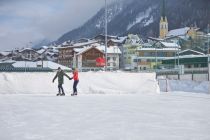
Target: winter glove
x=70 y=78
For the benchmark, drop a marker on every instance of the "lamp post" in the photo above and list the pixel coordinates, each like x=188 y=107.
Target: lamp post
x=179 y=47
x=155 y=59
x=208 y=35
x=106 y=35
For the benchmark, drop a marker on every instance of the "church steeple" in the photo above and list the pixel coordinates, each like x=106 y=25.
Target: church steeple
x=163 y=21
x=163 y=10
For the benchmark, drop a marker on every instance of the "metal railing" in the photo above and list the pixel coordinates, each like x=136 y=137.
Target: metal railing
x=27 y=69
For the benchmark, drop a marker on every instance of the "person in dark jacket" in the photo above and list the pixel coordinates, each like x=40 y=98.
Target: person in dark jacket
x=60 y=74
x=76 y=81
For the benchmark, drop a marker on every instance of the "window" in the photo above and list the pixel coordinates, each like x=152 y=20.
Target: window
x=196 y=65
x=148 y=60
x=108 y=58
x=114 y=58
x=114 y=64
x=135 y=60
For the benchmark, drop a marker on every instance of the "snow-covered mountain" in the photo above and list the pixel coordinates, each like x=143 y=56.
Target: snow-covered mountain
x=142 y=17
x=38 y=44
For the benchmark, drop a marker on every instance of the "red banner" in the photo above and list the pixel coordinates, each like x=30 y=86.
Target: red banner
x=100 y=62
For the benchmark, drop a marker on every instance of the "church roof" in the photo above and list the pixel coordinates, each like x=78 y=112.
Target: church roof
x=178 y=32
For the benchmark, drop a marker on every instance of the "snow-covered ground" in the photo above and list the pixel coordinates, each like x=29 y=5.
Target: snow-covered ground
x=124 y=106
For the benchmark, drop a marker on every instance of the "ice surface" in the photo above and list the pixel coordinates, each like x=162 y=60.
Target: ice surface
x=105 y=117
x=125 y=106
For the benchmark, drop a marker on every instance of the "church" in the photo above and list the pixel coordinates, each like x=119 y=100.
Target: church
x=164 y=27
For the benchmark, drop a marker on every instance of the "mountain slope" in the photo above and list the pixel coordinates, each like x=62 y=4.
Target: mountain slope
x=142 y=17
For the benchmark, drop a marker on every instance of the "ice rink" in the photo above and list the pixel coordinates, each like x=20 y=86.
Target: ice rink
x=110 y=106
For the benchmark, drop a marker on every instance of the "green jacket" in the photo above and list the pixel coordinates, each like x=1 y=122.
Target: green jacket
x=60 y=75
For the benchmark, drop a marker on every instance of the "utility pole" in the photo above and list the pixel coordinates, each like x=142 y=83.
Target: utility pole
x=106 y=35
x=208 y=35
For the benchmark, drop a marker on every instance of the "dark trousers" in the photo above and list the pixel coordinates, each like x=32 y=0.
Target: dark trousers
x=75 y=86
x=60 y=88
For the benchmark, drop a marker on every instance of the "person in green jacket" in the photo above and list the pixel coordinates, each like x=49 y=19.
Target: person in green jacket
x=60 y=74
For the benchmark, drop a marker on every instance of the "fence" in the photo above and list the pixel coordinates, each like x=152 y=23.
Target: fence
x=197 y=74
x=27 y=69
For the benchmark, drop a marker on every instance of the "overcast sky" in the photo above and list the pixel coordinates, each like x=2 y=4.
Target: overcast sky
x=24 y=21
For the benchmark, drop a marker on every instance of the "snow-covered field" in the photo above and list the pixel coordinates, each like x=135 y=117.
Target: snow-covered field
x=124 y=106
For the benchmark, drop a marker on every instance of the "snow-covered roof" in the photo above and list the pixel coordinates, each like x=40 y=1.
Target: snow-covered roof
x=78 y=49
x=85 y=43
x=122 y=38
x=66 y=43
x=170 y=44
x=178 y=32
x=7 y=60
x=110 y=50
x=46 y=64
x=41 y=51
x=5 y=53
x=51 y=53
x=147 y=45
x=155 y=39
x=84 y=50
x=119 y=39
x=187 y=56
x=76 y=45
x=58 y=46
x=157 y=49
x=200 y=53
x=159 y=58
x=27 y=49
x=108 y=36
x=45 y=47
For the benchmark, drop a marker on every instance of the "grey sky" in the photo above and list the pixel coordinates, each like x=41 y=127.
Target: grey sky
x=24 y=21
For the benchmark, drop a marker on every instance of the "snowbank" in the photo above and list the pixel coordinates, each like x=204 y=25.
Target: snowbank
x=90 y=83
x=46 y=64
x=184 y=85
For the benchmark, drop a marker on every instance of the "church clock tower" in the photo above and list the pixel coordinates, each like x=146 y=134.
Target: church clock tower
x=163 y=22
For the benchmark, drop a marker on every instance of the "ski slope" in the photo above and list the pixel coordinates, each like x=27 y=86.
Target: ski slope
x=90 y=83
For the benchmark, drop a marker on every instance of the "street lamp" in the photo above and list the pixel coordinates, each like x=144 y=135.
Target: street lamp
x=179 y=47
x=106 y=34
x=208 y=35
